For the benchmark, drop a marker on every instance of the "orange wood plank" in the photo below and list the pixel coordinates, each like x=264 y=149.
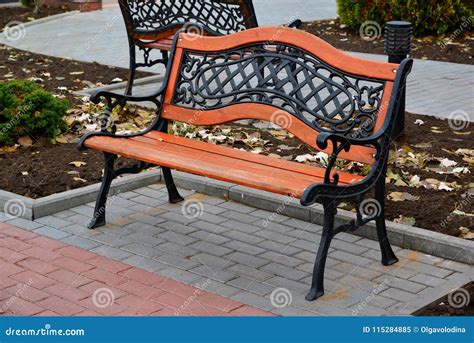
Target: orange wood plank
x=243 y=155
x=281 y=179
x=293 y=37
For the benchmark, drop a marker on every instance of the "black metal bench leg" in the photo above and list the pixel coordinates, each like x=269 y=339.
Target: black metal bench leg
x=317 y=286
x=133 y=68
x=173 y=193
x=98 y=219
x=388 y=256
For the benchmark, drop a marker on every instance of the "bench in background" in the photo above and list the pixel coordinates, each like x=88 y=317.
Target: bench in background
x=151 y=24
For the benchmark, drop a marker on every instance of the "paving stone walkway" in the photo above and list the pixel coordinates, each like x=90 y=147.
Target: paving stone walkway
x=45 y=277
x=247 y=255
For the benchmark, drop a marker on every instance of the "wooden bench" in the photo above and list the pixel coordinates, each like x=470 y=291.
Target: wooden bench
x=151 y=24
x=333 y=102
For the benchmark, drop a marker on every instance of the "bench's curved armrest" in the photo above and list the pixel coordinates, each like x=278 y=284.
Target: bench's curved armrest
x=380 y=140
x=330 y=188
x=113 y=100
x=116 y=98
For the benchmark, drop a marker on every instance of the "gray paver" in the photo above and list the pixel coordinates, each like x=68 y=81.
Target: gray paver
x=252 y=286
x=214 y=273
x=247 y=260
x=281 y=270
x=249 y=249
x=179 y=275
x=145 y=263
x=51 y=232
x=115 y=253
x=250 y=272
x=80 y=242
x=24 y=224
x=281 y=258
x=211 y=248
x=211 y=260
x=254 y=300
x=53 y=221
x=398 y=294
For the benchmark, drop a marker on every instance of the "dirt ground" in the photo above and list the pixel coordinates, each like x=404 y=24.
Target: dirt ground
x=460 y=298
x=460 y=50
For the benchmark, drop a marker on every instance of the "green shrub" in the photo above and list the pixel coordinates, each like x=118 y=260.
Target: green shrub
x=427 y=16
x=28 y=3
x=27 y=109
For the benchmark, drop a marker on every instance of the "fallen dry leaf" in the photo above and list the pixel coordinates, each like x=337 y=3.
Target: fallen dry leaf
x=400 y=196
x=405 y=220
x=77 y=164
x=25 y=141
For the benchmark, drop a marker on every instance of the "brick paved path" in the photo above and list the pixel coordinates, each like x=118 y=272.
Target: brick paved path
x=237 y=253
x=44 y=277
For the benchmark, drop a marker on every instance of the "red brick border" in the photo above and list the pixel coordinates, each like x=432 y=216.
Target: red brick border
x=44 y=277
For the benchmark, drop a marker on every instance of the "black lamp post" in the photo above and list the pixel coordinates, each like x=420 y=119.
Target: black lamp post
x=398 y=37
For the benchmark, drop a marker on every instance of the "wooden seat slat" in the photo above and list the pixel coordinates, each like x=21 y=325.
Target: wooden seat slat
x=311 y=171
x=247 y=169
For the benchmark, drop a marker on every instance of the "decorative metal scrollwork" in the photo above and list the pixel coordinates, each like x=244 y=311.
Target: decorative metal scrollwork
x=220 y=18
x=285 y=77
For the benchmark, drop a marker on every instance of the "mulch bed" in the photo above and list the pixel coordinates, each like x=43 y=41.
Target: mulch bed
x=57 y=75
x=460 y=50
x=443 y=307
x=23 y=14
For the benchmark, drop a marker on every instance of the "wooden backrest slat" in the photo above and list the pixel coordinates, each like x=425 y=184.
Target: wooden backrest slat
x=311 y=43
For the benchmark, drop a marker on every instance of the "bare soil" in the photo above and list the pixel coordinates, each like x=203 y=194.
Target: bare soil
x=463 y=300
x=23 y=14
x=459 y=50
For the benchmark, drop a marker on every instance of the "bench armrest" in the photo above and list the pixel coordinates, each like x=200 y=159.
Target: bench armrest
x=380 y=140
x=114 y=99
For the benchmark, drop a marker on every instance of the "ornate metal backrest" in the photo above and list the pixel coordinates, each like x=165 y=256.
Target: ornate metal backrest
x=282 y=75
x=217 y=17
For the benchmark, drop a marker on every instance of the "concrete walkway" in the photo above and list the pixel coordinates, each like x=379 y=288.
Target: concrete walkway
x=434 y=88
x=250 y=256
